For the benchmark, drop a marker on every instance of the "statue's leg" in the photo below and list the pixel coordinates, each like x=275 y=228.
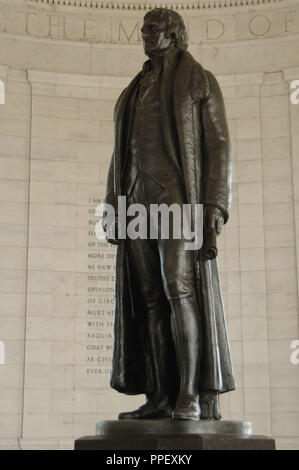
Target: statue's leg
x=187 y=335
x=161 y=351
x=145 y=263
x=178 y=279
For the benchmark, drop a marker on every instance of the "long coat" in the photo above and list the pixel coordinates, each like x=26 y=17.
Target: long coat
x=196 y=135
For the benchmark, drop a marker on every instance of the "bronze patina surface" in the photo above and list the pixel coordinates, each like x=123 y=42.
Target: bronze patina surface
x=171 y=146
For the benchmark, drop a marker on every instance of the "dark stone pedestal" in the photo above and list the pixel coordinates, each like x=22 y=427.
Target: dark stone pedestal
x=171 y=434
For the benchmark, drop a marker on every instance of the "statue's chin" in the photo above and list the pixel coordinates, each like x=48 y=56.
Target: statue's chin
x=152 y=53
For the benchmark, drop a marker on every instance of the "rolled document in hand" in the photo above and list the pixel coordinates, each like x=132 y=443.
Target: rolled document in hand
x=210 y=244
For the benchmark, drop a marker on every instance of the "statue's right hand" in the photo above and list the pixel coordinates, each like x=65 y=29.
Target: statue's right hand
x=111 y=231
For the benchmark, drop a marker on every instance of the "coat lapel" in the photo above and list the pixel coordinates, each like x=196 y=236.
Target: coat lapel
x=166 y=91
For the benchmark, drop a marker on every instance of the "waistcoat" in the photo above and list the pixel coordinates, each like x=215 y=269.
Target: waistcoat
x=148 y=157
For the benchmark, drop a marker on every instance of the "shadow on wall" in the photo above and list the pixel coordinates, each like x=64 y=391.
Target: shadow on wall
x=2 y=92
x=2 y=353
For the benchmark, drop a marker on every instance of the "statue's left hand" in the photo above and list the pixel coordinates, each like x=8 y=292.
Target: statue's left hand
x=213 y=218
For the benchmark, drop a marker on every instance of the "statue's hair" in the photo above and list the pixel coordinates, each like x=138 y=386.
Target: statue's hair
x=175 y=25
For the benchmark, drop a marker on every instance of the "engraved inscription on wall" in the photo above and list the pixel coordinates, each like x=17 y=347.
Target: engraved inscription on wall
x=100 y=299
x=117 y=27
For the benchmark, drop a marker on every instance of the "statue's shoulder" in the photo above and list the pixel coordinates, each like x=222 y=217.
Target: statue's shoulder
x=199 y=78
x=118 y=101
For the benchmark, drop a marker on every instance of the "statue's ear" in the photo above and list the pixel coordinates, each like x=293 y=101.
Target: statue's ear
x=174 y=39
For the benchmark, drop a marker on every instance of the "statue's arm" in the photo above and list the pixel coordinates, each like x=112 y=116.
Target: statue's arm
x=217 y=160
x=109 y=224
x=110 y=197
x=110 y=193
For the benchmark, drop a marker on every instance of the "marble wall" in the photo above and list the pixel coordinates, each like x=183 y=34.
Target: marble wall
x=56 y=289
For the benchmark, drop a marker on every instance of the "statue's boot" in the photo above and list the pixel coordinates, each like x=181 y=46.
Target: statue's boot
x=151 y=410
x=158 y=406
x=187 y=333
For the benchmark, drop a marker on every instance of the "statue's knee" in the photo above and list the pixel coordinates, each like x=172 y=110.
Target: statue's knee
x=176 y=288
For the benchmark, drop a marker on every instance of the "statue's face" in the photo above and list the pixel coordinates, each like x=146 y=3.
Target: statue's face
x=154 y=35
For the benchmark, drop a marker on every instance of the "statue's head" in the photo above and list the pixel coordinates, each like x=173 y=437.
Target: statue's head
x=161 y=30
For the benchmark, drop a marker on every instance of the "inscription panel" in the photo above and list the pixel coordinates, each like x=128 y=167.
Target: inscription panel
x=123 y=26
x=100 y=300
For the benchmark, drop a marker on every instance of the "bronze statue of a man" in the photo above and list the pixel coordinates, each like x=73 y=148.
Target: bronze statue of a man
x=171 y=146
